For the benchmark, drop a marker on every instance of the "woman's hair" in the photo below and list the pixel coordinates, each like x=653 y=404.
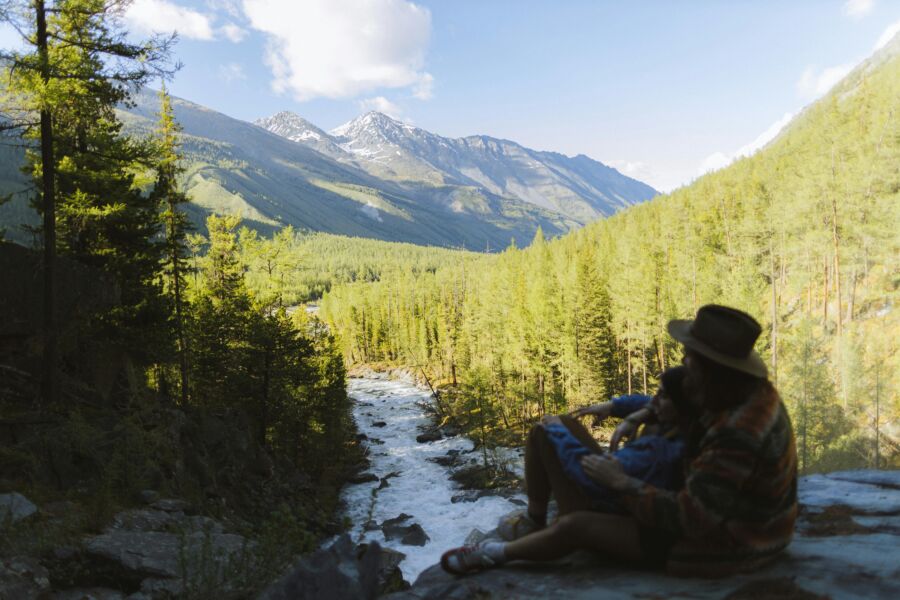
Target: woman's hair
x=672 y=383
x=722 y=387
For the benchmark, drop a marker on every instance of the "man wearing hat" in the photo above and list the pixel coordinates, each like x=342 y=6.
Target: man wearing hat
x=739 y=502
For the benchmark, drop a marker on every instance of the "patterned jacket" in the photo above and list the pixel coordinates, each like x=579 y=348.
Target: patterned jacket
x=740 y=495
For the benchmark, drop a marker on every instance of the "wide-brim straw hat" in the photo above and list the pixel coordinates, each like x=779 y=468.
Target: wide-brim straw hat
x=724 y=335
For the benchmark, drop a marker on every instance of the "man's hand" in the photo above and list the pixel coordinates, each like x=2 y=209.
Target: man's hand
x=606 y=470
x=600 y=411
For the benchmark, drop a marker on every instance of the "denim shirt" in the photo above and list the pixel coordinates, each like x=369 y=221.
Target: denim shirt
x=654 y=459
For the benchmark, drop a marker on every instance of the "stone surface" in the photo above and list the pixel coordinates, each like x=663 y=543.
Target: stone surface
x=142 y=554
x=847 y=546
x=14 y=507
x=333 y=572
x=171 y=505
x=363 y=478
x=429 y=436
x=22 y=578
x=88 y=594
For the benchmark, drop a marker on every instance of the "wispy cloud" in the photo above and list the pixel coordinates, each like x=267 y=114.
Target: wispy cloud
x=382 y=105
x=815 y=82
x=343 y=48
x=163 y=16
x=151 y=16
x=718 y=160
x=858 y=9
x=232 y=32
x=231 y=72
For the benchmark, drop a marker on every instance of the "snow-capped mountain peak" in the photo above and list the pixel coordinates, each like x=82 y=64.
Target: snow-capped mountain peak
x=372 y=123
x=291 y=126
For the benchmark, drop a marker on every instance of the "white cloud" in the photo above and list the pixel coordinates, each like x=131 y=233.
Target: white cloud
x=162 y=16
x=230 y=7
x=813 y=83
x=424 y=89
x=718 y=160
x=632 y=168
x=889 y=33
x=343 y=48
x=231 y=72
x=382 y=105
x=232 y=32
x=858 y=8
x=152 y=16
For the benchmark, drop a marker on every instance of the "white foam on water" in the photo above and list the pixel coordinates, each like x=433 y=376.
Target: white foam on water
x=421 y=488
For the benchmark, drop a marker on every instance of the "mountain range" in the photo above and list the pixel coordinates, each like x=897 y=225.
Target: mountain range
x=580 y=188
x=372 y=177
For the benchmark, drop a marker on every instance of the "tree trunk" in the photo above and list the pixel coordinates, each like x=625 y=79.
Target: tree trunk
x=48 y=169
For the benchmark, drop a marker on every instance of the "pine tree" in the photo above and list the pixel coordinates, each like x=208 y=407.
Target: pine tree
x=170 y=198
x=77 y=67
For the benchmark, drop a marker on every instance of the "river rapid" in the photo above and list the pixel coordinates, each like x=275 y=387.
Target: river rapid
x=391 y=414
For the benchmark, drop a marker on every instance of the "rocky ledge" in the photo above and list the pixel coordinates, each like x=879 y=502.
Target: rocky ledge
x=847 y=546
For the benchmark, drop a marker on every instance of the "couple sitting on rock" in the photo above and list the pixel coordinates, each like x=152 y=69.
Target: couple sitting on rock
x=710 y=492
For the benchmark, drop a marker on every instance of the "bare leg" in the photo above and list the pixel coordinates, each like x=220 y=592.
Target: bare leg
x=615 y=536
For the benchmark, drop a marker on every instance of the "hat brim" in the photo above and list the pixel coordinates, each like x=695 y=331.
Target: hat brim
x=680 y=329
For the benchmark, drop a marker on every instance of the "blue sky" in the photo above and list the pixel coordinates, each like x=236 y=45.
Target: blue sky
x=661 y=90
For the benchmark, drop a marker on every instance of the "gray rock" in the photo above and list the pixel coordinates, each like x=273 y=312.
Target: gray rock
x=414 y=536
x=334 y=572
x=363 y=478
x=137 y=555
x=833 y=562
x=390 y=577
x=88 y=594
x=145 y=520
x=466 y=496
x=22 y=577
x=379 y=424
x=371 y=525
x=171 y=505
x=429 y=436
x=14 y=507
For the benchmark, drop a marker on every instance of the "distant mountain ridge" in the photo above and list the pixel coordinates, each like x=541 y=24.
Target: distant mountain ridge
x=579 y=187
x=375 y=177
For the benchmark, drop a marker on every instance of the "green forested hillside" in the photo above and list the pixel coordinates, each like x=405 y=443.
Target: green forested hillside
x=805 y=235
x=291 y=268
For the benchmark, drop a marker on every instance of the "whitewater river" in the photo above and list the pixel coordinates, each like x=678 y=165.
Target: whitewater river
x=420 y=487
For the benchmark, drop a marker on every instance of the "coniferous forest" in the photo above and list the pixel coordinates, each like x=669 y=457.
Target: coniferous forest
x=131 y=362
x=199 y=366
x=804 y=235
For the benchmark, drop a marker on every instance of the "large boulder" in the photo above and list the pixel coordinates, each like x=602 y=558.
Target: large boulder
x=845 y=547
x=15 y=507
x=22 y=577
x=338 y=571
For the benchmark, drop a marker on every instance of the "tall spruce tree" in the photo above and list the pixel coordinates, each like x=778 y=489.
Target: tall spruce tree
x=168 y=195
x=77 y=65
